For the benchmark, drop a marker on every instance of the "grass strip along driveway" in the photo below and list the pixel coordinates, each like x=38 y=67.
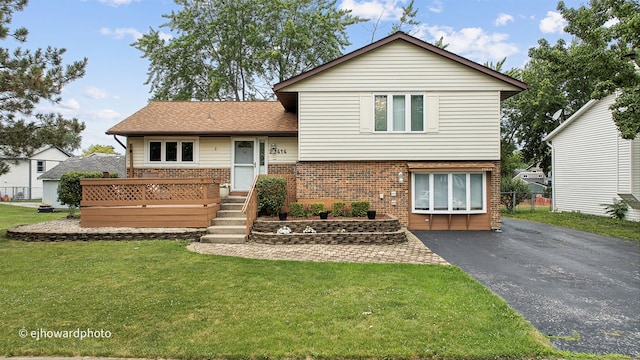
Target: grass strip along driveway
x=155 y=299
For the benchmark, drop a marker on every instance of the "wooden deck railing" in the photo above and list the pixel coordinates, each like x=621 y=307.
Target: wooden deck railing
x=250 y=208
x=149 y=202
x=149 y=191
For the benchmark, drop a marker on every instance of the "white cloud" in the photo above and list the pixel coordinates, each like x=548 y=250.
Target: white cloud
x=71 y=104
x=436 y=6
x=611 y=22
x=95 y=93
x=553 y=23
x=385 y=10
x=117 y=2
x=120 y=33
x=503 y=19
x=473 y=43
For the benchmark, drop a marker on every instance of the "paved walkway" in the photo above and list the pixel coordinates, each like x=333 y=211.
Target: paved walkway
x=412 y=252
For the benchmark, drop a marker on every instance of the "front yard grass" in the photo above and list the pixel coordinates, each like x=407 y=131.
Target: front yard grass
x=574 y=220
x=157 y=300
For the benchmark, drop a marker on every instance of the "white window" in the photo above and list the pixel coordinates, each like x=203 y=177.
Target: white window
x=171 y=151
x=448 y=193
x=399 y=113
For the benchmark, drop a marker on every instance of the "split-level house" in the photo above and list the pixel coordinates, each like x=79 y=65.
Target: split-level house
x=592 y=164
x=410 y=127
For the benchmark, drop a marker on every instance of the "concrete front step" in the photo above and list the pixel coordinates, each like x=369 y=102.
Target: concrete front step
x=231 y=206
x=229 y=221
x=229 y=214
x=223 y=239
x=227 y=229
x=234 y=199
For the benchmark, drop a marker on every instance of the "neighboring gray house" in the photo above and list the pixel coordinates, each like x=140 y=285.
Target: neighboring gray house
x=94 y=162
x=593 y=165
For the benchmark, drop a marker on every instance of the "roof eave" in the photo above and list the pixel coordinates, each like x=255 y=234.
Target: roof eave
x=412 y=40
x=205 y=133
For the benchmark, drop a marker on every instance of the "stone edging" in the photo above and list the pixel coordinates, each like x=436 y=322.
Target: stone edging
x=330 y=238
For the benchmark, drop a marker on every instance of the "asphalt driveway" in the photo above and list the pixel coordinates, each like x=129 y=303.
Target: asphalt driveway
x=582 y=289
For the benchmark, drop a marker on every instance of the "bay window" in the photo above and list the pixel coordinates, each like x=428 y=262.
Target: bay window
x=399 y=113
x=171 y=151
x=449 y=193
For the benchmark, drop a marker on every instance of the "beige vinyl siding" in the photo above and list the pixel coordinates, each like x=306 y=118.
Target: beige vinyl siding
x=137 y=144
x=400 y=66
x=215 y=152
x=635 y=167
x=289 y=144
x=592 y=164
x=332 y=126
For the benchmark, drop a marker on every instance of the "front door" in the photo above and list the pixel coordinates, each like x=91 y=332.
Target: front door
x=244 y=165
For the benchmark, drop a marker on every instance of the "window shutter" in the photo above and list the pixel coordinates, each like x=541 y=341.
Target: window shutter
x=433 y=113
x=366 y=114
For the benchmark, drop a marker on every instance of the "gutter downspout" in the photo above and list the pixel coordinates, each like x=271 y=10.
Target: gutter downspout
x=119 y=142
x=553 y=171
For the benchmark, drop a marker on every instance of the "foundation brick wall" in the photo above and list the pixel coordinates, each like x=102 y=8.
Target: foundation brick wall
x=494 y=205
x=357 y=180
x=366 y=180
x=221 y=175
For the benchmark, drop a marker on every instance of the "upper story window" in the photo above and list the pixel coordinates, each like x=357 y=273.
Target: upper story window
x=40 y=166
x=449 y=193
x=171 y=151
x=399 y=113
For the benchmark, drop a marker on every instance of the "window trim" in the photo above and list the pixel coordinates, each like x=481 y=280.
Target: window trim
x=44 y=166
x=450 y=210
x=407 y=112
x=163 y=141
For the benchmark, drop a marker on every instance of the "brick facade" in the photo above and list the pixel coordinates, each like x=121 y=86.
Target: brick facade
x=221 y=175
x=357 y=180
x=366 y=180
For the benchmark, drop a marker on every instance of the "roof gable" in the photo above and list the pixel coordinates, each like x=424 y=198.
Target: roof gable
x=578 y=115
x=287 y=97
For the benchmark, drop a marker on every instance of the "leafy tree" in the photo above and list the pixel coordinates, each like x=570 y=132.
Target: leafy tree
x=102 y=149
x=510 y=187
x=234 y=50
x=26 y=78
x=70 y=190
x=566 y=76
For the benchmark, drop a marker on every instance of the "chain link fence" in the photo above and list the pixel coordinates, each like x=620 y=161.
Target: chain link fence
x=515 y=201
x=11 y=193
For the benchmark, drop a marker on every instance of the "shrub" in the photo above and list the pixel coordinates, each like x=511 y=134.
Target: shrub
x=359 y=208
x=316 y=208
x=272 y=194
x=69 y=189
x=510 y=187
x=617 y=210
x=297 y=209
x=338 y=208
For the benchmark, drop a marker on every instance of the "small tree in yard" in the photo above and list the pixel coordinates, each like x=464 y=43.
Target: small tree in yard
x=509 y=188
x=69 y=189
x=272 y=194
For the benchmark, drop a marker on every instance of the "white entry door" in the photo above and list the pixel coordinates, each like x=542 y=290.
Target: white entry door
x=244 y=164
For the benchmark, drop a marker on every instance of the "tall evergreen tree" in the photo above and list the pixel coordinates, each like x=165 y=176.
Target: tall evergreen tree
x=28 y=77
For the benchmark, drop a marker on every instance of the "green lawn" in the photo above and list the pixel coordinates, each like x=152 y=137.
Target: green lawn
x=575 y=220
x=155 y=299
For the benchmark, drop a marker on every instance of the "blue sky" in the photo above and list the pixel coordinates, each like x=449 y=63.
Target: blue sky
x=113 y=87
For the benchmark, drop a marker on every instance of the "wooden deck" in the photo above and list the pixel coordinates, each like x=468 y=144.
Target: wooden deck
x=149 y=202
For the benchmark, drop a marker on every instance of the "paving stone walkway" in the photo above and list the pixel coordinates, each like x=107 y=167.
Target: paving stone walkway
x=412 y=252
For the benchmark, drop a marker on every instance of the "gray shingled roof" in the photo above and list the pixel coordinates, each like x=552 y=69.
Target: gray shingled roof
x=94 y=162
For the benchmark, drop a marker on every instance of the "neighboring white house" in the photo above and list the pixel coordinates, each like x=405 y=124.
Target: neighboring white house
x=95 y=162
x=21 y=182
x=592 y=165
